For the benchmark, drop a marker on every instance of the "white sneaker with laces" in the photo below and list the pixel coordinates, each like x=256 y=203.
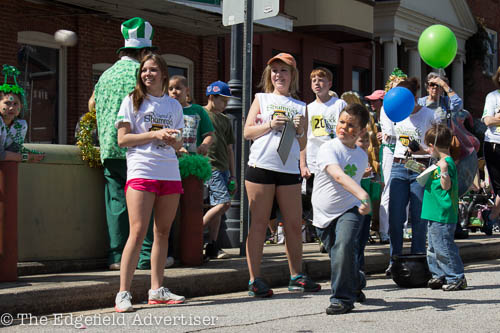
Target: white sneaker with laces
x=123 y=302
x=222 y=255
x=164 y=296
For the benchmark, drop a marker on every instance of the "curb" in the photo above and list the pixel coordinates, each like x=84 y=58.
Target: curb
x=69 y=292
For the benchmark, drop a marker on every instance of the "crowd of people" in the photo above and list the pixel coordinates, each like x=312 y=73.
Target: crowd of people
x=347 y=157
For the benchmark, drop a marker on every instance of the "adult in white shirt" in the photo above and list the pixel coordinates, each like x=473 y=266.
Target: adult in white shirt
x=491 y=118
x=149 y=123
x=268 y=176
x=404 y=187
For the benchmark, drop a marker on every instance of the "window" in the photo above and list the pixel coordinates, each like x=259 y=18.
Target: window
x=42 y=63
x=179 y=65
x=361 y=81
x=490 y=62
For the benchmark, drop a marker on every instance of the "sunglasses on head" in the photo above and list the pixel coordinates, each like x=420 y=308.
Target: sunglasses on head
x=433 y=85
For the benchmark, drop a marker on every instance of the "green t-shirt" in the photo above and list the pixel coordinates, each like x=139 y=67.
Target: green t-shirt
x=114 y=84
x=439 y=205
x=196 y=125
x=223 y=136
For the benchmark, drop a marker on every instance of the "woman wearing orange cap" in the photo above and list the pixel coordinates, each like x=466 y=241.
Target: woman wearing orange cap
x=269 y=175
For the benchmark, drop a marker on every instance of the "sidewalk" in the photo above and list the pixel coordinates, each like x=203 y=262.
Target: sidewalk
x=67 y=292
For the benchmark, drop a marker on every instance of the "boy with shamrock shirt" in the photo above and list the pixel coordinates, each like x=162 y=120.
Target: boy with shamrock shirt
x=338 y=202
x=440 y=208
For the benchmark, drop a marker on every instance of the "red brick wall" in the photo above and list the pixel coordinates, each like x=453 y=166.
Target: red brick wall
x=482 y=85
x=98 y=39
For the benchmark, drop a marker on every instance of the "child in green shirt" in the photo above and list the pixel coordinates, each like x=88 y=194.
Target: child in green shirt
x=440 y=208
x=198 y=129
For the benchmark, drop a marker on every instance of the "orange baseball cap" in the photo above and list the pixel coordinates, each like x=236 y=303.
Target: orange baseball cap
x=285 y=57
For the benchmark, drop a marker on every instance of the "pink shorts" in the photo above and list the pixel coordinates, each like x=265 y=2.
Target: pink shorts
x=160 y=187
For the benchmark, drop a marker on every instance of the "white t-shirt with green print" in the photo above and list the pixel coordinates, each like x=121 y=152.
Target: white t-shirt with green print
x=329 y=198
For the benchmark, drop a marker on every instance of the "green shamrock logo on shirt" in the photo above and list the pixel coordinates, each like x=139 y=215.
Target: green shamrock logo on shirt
x=350 y=170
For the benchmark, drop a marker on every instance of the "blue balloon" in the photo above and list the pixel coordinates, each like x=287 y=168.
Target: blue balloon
x=398 y=103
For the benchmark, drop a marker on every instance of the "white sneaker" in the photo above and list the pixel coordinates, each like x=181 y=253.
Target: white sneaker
x=170 y=262
x=222 y=255
x=164 y=296
x=122 y=302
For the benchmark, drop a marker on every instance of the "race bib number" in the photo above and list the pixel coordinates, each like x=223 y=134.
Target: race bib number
x=405 y=140
x=318 y=126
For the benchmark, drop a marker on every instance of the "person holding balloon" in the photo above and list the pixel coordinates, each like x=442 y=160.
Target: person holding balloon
x=411 y=121
x=387 y=139
x=437 y=86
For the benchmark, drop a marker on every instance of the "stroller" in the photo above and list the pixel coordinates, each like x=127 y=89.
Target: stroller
x=471 y=207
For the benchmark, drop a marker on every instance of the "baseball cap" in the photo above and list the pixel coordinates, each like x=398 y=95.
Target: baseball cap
x=377 y=94
x=285 y=57
x=219 y=88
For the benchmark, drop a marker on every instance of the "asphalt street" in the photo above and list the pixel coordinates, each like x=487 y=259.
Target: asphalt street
x=388 y=309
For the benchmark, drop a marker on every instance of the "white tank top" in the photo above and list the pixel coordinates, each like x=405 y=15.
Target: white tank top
x=264 y=150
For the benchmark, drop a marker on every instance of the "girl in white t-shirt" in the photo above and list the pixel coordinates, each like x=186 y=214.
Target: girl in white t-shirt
x=268 y=176
x=149 y=123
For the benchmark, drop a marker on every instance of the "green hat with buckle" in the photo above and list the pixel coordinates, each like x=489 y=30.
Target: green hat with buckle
x=138 y=34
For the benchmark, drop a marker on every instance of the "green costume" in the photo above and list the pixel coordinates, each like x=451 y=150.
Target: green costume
x=112 y=87
x=439 y=205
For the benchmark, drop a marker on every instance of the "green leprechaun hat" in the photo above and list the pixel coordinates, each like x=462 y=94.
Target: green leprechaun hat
x=138 y=34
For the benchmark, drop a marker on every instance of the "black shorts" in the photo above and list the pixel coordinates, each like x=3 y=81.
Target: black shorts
x=264 y=176
x=492 y=158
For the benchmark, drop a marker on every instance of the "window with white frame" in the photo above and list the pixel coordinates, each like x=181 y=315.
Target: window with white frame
x=179 y=65
x=491 y=57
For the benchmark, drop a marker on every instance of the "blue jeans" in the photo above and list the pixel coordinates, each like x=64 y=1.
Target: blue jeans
x=363 y=236
x=217 y=187
x=442 y=252
x=340 y=240
x=405 y=188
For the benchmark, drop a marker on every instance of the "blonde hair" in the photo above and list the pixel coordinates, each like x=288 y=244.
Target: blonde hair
x=267 y=86
x=140 y=91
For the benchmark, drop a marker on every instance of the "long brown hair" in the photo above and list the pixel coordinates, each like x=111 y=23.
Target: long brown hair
x=140 y=91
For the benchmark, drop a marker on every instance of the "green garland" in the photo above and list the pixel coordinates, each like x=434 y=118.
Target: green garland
x=89 y=152
x=195 y=165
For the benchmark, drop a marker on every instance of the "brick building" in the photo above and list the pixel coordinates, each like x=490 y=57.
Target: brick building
x=59 y=80
x=480 y=69
x=189 y=34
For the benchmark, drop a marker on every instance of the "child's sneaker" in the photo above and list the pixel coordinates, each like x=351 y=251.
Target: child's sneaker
x=164 y=296
x=123 y=302
x=458 y=285
x=304 y=284
x=259 y=288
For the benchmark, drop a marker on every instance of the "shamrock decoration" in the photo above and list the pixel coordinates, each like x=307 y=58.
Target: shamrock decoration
x=8 y=71
x=350 y=170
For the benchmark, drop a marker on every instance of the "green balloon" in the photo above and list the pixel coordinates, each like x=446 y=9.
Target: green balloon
x=437 y=46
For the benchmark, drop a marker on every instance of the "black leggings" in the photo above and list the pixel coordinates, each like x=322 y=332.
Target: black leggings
x=492 y=158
